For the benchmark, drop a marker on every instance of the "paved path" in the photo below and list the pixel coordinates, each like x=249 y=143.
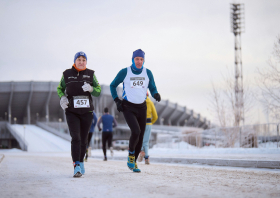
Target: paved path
x=50 y=175
x=245 y=160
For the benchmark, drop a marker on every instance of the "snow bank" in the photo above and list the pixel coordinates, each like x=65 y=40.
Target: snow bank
x=13 y=150
x=185 y=148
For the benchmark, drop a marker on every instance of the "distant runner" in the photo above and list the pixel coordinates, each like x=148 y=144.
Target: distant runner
x=75 y=90
x=108 y=122
x=136 y=80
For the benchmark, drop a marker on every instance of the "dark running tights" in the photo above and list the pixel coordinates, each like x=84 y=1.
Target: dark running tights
x=135 y=116
x=79 y=126
x=106 y=137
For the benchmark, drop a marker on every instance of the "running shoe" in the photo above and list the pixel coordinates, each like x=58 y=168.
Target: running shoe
x=105 y=158
x=136 y=169
x=147 y=161
x=131 y=162
x=77 y=171
x=112 y=153
x=141 y=156
x=82 y=166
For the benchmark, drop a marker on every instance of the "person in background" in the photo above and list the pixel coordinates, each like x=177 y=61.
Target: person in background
x=108 y=122
x=151 y=119
x=91 y=130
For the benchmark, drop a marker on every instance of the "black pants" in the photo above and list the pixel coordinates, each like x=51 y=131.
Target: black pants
x=79 y=126
x=106 y=137
x=135 y=116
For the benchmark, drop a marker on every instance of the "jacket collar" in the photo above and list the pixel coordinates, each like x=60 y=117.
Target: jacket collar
x=73 y=69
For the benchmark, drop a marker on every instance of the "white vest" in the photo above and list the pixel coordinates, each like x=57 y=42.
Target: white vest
x=135 y=86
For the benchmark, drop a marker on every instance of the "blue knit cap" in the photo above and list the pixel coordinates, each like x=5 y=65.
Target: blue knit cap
x=79 y=54
x=138 y=53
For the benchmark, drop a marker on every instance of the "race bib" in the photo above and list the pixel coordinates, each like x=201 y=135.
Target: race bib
x=81 y=101
x=137 y=82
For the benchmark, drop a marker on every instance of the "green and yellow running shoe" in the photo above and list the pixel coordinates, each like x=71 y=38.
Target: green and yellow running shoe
x=131 y=162
x=136 y=169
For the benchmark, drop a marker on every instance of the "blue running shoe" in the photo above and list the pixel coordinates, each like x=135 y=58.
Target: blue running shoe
x=82 y=166
x=131 y=162
x=136 y=169
x=77 y=171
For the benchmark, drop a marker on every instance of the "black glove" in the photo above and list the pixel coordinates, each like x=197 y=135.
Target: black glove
x=119 y=104
x=100 y=129
x=157 y=97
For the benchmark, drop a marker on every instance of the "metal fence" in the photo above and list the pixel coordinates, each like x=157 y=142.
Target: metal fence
x=248 y=136
x=62 y=127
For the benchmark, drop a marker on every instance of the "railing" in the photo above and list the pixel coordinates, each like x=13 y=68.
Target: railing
x=54 y=131
x=248 y=136
x=59 y=126
x=20 y=139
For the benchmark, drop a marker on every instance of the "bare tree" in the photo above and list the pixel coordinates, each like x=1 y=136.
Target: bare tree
x=223 y=105
x=223 y=108
x=268 y=81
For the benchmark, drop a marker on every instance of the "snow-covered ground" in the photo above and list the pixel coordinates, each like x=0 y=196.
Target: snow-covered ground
x=40 y=140
x=46 y=171
x=35 y=175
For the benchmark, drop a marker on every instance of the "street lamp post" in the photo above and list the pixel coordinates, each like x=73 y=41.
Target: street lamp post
x=59 y=120
x=47 y=119
x=162 y=121
x=237 y=27
x=24 y=138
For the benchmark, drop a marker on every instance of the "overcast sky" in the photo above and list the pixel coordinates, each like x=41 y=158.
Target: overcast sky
x=188 y=44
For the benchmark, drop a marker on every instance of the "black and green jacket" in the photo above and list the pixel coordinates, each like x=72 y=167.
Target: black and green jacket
x=71 y=85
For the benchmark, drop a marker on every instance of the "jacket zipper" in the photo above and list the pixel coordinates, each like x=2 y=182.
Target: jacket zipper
x=78 y=73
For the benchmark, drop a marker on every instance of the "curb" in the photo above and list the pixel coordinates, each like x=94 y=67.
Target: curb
x=212 y=162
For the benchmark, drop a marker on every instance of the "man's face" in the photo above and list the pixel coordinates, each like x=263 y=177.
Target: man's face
x=81 y=62
x=138 y=62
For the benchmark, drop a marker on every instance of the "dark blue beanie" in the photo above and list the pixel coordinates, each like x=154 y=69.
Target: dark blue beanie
x=79 y=54
x=138 y=53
